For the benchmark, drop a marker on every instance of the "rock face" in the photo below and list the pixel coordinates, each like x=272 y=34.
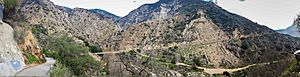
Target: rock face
x=29 y=46
x=146 y=12
x=292 y=30
x=11 y=60
x=94 y=28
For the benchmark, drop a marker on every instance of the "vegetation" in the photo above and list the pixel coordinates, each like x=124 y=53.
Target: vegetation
x=19 y=35
x=95 y=49
x=60 y=71
x=10 y=7
x=292 y=69
x=74 y=57
x=31 y=58
x=37 y=29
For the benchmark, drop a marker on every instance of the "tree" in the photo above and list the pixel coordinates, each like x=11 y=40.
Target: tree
x=74 y=56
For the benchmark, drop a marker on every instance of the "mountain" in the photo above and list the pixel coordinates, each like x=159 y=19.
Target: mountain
x=82 y=24
x=292 y=30
x=167 y=38
x=106 y=14
x=201 y=33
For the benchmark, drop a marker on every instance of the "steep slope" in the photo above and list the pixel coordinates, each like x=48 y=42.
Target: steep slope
x=106 y=14
x=11 y=60
x=90 y=27
x=150 y=11
x=198 y=33
x=159 y=36
x=292 y=30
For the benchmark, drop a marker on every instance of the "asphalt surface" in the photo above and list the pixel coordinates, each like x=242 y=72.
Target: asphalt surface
x=38 y=70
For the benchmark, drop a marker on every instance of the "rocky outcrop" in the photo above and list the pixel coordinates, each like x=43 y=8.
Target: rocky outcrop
x=93 y=28
x=11 y=60
x=29 y=46
x=159 y=10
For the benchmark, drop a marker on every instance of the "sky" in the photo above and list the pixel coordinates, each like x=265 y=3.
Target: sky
x=276 y=14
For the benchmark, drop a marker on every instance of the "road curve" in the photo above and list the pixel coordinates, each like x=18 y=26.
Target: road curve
x=222 y=70
x=39 y=70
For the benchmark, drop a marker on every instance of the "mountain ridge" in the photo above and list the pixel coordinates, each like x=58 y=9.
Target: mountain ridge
x=159 y=35
x=106 y=14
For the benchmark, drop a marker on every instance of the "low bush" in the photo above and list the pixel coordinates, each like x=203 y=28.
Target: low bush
x=74 y=56
x=31 y=58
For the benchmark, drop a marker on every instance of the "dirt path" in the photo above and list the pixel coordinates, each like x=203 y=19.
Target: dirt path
x=222 y=70
x=39 y=70
x=216 y=70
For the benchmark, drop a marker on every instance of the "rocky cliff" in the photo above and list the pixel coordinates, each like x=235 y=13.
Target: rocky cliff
x=87 y=26
x=11 y=60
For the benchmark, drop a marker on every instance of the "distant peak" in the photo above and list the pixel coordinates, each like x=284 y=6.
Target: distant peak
x=167 y=1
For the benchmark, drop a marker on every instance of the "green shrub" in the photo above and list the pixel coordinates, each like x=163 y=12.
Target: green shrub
x=10 y=8
x=31 y=58
x=197 y=61
x=10 y=4
x=293 y=68
x=74 y=56
x=60 y=71
x=37 y=29
x=95 y=49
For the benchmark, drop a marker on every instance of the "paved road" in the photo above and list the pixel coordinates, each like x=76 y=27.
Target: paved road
x=39 y=70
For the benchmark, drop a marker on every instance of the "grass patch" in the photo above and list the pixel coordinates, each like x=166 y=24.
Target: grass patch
x=31 y=58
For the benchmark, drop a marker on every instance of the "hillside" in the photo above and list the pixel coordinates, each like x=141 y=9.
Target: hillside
x=167 y=38
x=94 y=28
x=202 y=33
